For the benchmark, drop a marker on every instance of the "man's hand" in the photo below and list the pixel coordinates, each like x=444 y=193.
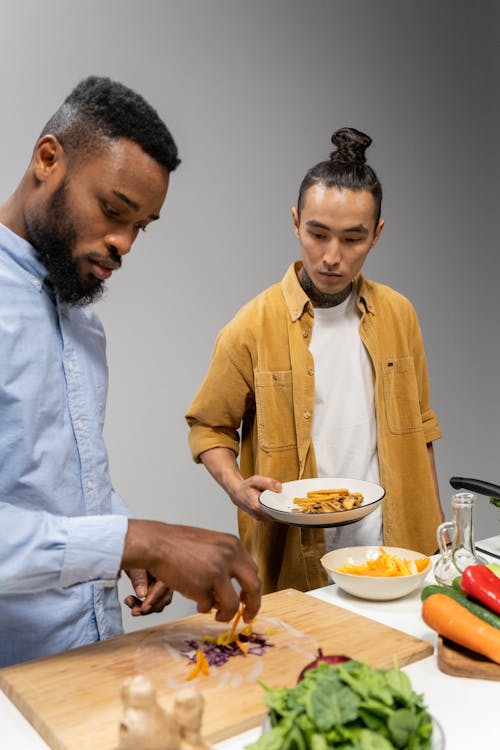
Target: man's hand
x=151 y=595
x=222 y=465
x=198 y=563
x=245 y=494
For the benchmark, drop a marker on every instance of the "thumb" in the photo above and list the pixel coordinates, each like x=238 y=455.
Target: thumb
x=139 y=579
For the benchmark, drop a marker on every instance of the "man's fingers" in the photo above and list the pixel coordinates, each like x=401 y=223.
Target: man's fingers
x=139 y=580
x=227 y=601
x=245 y=571
x=157 y=599
x=251 y=592
x=205 y=602
x=132 y=601
x=264 y=483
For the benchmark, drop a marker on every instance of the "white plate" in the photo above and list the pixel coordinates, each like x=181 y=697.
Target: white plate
x=279 y=505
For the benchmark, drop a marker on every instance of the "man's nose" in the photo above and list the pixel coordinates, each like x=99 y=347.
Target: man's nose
x=332 y=255
x=121 y=243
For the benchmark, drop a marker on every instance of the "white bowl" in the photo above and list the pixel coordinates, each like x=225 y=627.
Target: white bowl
x=373 y=587
x=280 y=505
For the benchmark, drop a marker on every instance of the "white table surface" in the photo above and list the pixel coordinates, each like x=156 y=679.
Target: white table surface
x=467 y=709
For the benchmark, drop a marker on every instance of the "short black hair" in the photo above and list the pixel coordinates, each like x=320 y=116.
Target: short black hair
x=346 y=168
x=99 y=109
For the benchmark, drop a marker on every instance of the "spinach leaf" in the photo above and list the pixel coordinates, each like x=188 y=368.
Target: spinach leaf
x=328 y=709
x=368 y=740
x=349 y=706
x=400 y=685
x=402 y=724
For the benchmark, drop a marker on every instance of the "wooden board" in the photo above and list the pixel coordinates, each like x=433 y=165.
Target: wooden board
x=73 y=699
x=460 y=662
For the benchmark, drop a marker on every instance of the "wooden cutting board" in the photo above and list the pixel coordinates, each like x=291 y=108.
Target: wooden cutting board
x=73 y=699
x=460 y=662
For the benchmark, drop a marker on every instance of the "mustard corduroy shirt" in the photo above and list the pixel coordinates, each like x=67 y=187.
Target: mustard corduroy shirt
x=262 y=378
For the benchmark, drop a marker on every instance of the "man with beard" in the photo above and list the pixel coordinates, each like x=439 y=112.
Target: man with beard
x=326 y=374
x=98 y=175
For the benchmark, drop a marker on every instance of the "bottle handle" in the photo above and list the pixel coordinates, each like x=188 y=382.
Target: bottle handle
x=441 y=538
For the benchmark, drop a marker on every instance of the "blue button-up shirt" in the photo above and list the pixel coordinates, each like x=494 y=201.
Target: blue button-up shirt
x=62 y=527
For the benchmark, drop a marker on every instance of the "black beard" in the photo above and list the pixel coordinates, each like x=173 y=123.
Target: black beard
x=319 y=298
x=53 y=238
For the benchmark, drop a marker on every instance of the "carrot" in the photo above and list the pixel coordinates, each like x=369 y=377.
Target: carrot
x=232 y=632
x=421 y=563
x=201 y=665
x=386 y=566
x=242 y=646
x=453 y=621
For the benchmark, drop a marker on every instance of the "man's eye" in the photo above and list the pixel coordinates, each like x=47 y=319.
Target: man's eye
x=110 y=211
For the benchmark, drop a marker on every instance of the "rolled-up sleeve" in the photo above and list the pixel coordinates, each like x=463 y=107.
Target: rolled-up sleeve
x=217 y=410
x=43 y=551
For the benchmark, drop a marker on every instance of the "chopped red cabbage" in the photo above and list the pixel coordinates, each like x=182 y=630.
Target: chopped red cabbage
x=218 y=654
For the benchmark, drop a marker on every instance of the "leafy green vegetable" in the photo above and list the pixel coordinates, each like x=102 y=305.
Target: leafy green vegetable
x=495 y=501
x=349 y=706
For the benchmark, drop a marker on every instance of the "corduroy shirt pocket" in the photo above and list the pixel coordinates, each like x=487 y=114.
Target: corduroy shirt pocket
x=401 y=396
x=274 y=410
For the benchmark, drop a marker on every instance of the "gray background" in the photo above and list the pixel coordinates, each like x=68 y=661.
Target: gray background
x=252 y=90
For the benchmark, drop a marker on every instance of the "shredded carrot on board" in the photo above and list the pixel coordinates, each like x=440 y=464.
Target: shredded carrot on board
x=242 y=646
x=232 y=632
x=385 y=566
x=230 y=636
x=201 y=665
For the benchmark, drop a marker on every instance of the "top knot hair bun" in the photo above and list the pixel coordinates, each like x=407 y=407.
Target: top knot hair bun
x=346 y=169
x=351 y=146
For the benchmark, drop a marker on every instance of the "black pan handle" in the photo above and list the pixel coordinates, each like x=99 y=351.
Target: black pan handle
x=475 y=485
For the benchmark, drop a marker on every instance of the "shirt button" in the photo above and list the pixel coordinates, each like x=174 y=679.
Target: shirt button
x=37 y=283
x=70 y=366
x=307 y=415
x=90 y=485
x=305 y=333
x=80 y=424
x=275 y=376
x=310 y=371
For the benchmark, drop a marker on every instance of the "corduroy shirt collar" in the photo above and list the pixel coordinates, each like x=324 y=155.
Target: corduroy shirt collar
x=299 y=303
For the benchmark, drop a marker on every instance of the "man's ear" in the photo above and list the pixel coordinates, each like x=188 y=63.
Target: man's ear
x=296 y=221
x=49 y=159
x=378 y=232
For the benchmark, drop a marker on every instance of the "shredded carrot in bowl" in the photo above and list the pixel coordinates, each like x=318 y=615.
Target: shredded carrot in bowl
x=385 y=566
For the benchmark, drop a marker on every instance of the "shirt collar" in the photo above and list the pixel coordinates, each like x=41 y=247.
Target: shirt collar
x=23 y=254
x=365 y=297
x=299 y=303
x=296 y=299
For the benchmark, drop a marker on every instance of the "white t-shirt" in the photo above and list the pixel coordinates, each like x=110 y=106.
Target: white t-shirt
x=344 y=430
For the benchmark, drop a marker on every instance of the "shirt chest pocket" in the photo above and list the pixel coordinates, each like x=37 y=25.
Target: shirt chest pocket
x=402 y=403
x=274 y=410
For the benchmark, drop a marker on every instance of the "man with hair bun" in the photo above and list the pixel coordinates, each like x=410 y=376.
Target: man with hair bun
x=98 y=175
x=325 y=374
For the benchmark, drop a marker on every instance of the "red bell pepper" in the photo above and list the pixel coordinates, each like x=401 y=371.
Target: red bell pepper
x=481 y=583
